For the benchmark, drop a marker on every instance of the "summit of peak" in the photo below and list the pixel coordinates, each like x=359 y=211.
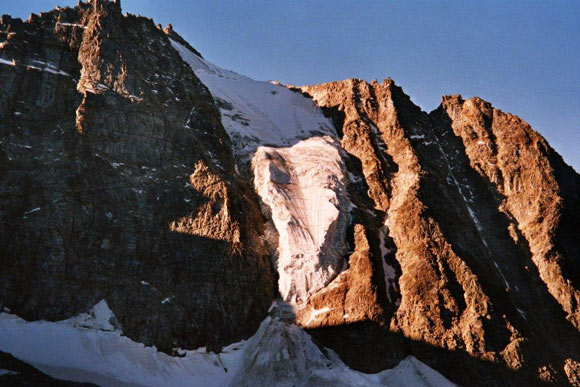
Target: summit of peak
x=103 y=3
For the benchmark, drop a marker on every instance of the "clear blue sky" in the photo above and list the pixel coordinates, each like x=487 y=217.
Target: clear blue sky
x=523 y=56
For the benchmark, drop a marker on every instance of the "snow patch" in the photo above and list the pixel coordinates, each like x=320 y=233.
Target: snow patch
x=257 y=113
x=100 y=317
x=412 y=372
x=389 y=270
x=72 y=25
x=506 y=283
x=317 y=312
x=32 y=211
x=48 y=67
x=7 y=62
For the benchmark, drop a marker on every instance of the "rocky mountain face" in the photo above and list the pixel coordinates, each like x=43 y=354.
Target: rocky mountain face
x=337 y=227
x=117 y=182
x=480 y=210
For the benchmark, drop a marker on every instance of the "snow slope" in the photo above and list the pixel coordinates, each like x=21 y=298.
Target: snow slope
x=255 y=112
x=68 y=351
x=279 y=354
x=389 y=270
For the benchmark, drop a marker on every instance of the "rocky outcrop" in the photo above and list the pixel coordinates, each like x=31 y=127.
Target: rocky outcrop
x=353 y=296
x=466 y=275
x=117 y=182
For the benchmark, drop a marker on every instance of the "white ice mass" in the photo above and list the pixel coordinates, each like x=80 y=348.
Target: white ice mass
x=304 y=187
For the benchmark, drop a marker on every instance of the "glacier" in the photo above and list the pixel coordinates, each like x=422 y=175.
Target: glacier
x=304 y=187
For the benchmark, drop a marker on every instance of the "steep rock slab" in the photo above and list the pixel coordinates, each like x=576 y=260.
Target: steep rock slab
x=353 y=296
x=117 y=181
x=536 y=190
x=390 y=161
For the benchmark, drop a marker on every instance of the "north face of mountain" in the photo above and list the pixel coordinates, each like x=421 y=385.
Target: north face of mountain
x=117 y=181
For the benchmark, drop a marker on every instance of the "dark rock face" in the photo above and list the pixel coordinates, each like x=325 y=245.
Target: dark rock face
x=16 y=373
x=117 y=182
x=480 y=210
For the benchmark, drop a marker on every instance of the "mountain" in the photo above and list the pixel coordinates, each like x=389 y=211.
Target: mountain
x=168 y=221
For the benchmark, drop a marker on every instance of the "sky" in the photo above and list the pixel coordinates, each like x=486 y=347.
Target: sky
x=522 y=56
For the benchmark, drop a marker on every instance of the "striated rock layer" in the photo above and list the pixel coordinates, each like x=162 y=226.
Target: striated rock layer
x=480 y=211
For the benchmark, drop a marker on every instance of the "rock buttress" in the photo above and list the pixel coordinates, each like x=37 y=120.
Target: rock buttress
x=464 y=285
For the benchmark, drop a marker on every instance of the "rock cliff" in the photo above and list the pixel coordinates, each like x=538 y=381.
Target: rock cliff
x=479 y=210
x=117 y=181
